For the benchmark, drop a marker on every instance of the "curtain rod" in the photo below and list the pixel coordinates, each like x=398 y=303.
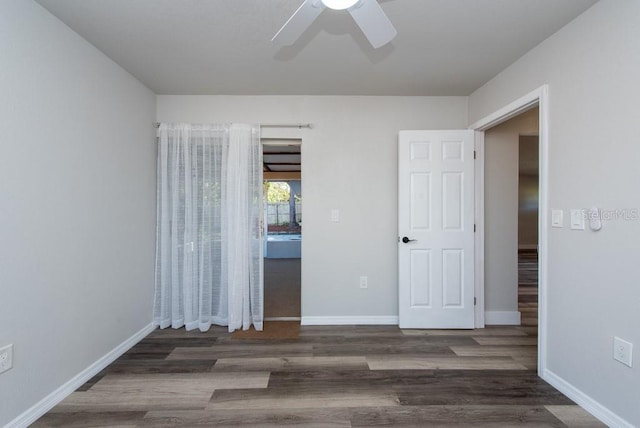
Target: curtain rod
x=273 y=125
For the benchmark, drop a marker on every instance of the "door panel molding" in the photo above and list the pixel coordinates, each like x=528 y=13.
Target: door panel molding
x=436 y=210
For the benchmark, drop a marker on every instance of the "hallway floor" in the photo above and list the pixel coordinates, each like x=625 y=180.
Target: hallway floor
x=528 y=287
x=282 y=288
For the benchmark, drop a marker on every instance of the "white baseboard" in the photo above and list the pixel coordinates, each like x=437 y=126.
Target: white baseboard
x=47 y=403
x=350 y=320
x=502 y=318
x=599 y=411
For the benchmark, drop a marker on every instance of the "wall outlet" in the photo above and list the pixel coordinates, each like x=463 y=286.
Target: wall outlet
x=623 y=351
x=364 y=282
x=6 y=358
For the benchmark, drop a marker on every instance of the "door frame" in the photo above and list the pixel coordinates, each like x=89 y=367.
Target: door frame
x=538 y=97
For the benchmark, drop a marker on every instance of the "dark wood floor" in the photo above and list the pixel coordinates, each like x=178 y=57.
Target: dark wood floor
x=282 y=279
x=528 y=287
x=345 y=376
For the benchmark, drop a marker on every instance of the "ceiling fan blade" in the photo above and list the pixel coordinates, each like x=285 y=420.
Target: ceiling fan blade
x=299 y=21
x=373 y=22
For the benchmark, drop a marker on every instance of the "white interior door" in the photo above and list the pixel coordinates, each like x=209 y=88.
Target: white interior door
x=436 y=228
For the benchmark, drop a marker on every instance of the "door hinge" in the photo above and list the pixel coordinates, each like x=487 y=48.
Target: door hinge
x=474 y=228
x=474 y=154
x=475 y=301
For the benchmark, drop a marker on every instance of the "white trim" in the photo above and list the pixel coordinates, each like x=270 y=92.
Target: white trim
x=543 y=229
x=47 y=403
x=540 y=97
x=522 y=104
x=599 y=411
x=479 y=237
x=502 y=318
x=349 y=320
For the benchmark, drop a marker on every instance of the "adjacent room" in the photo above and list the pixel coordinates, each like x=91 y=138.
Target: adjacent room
x=319 y=213
x=283 y=231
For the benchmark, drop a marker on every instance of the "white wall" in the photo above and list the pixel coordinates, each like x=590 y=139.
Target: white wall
x=501 y=213
x=349 y=162
x=77 y=204
x=592 y=67
x=528 y=192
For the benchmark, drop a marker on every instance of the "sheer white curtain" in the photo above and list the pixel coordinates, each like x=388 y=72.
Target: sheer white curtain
x=209 y=243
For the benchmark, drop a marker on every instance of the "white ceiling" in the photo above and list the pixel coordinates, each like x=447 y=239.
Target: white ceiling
x=443 y=47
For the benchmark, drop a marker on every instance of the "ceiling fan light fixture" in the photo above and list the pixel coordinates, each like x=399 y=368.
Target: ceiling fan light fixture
x=367 y=14
x=339 y=4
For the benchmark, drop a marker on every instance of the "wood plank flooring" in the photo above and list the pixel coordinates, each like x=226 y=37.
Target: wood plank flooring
x=282 y=279
x=347 y=376
x=528 y=287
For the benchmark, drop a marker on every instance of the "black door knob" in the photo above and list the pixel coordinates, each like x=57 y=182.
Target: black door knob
x=407 y=240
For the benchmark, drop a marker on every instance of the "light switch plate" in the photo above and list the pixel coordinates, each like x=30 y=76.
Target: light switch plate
x=335 y=215
x=557 y=218
x=577 y=219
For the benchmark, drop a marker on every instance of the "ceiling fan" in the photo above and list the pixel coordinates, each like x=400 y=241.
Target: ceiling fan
x=367 y=13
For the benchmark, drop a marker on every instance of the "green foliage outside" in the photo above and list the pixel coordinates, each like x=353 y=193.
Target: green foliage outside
x=276 y=192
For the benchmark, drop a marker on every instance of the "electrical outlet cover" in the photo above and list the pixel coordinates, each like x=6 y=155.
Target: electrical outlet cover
x=6 y=358
x=623 y=351
x=364 y=283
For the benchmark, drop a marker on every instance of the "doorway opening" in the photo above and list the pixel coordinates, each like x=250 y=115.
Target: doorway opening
x=282 y=245
x=510 y=213
x=535 y=99
x=511 y=228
